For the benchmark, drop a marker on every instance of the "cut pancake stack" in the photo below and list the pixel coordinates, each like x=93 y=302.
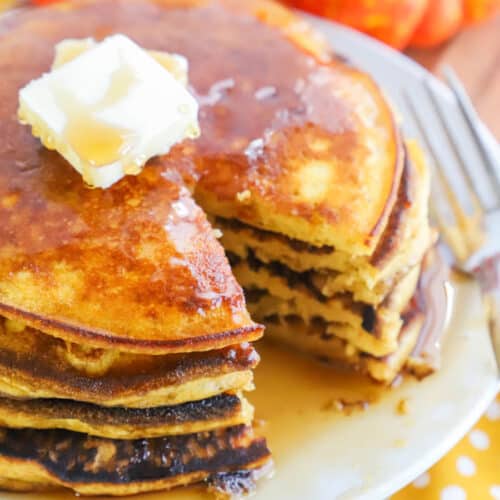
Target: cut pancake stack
x=124 y=353
x=362 y=310
x=124 y=337
x=124 y=343
x=322 y=206
x=134 y=424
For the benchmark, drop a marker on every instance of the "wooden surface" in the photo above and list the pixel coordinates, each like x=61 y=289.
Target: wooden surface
x=475 y=56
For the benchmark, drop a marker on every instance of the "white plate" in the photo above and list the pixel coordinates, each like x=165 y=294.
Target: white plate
x=322 y=454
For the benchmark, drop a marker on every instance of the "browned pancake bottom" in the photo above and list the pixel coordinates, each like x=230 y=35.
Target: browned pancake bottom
x=105 y=466
x=216 y=412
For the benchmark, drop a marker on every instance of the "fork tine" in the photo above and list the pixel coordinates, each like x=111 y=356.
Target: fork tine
x=428 y=142
x=465 y=236
x=422 y=130
x=471 y=185
x=472 y=120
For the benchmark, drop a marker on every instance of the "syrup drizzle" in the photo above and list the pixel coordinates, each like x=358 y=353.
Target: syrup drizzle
x=96 y=142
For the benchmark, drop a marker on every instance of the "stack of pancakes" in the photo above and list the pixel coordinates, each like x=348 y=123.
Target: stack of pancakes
x=124 y=337
x=124 y=346
x=322 y=205
x=359 y=307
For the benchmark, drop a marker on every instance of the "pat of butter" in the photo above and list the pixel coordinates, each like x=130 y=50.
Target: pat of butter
x=70 y=48
x=108 y=107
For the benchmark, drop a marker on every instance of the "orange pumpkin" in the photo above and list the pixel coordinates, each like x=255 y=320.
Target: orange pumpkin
x=442 y=19
x=44 y=2
x=477 y=10
x=392 y=21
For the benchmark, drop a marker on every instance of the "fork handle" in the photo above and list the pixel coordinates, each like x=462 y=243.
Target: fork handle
x=488 y=275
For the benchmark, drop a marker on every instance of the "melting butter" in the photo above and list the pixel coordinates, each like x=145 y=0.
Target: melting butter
x=109 y=107
x=92 y=139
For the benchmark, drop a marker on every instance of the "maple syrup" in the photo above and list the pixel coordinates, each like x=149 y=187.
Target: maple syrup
x=96 y=142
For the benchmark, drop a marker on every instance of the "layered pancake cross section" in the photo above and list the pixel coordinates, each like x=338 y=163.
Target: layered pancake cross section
x=360 y=310
x=104 y=421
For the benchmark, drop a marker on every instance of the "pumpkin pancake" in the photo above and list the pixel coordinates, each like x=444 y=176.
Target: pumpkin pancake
x=121 y=303
x=223 y=410
x=34 y=459
x=35 y=365
x=369 y=279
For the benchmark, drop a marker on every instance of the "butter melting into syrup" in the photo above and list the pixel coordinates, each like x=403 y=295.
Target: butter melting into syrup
x=96 y=142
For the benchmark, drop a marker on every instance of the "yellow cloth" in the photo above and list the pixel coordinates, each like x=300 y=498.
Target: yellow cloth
x=469 y=471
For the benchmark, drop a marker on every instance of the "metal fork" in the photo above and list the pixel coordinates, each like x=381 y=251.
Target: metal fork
x=461 y=214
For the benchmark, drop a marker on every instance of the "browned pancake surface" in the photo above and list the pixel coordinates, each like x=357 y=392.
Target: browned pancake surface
x=219 y=411
x=118 y=467
x=31 y=361
x=78 y=263
x=194 y=411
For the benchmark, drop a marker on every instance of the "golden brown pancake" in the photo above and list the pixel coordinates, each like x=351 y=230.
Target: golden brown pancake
x=120 y=317
x=98 y=466
x=416 y=350
x=223 y=410
x=91 y=260
x=334 y=304
x=271 y=139
x=129 y=283
x=405 y=240
x=325 y=158
x=313 y=338
x=114 y=255
x=373 y=330
x=78 y=263
x=35 y=365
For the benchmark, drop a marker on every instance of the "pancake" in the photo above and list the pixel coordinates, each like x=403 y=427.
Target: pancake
x=372 y=330
x=116 y=306
x=124 y=299
x=34 y=459
x=335 y=304
x=92 y=259
x=223 y=410
x=35 y=365
x=315 y=340
x=387 y=368
x=416 y=349
x=317 y=158
x=402 y=245
x=299 y=174
x=330 y=112
x=145 y=252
